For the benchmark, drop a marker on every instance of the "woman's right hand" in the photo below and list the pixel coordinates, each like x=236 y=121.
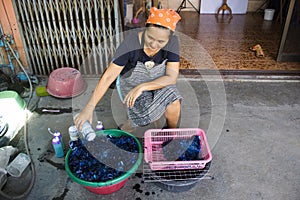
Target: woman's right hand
x=85 y=115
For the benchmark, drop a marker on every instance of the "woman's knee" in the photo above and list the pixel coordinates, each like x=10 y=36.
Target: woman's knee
x=174 y=107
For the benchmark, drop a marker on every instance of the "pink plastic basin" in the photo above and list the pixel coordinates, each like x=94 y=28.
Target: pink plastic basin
x=65 y=83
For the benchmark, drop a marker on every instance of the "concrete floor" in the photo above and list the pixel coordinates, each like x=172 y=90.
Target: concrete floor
x=252 y=128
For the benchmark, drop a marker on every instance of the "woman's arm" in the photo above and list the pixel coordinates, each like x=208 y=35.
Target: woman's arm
x=172 y=72
x=106 y=80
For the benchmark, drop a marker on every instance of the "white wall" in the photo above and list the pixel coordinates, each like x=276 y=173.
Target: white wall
x=211 y=6
x=174 y=4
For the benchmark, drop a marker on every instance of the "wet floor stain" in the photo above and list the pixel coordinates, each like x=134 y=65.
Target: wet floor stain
x=137 y=188
x=139 y=175
x=62 y=196
x=146 y=194
x=46 y=157
x=60 y=166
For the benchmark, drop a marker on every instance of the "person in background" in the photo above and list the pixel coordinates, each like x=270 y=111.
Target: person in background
x=147 y=63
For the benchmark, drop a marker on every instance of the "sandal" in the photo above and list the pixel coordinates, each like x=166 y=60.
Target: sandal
x=258 y=50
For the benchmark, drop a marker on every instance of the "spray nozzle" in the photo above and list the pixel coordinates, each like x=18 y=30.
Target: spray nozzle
x=56 y=133
x=49 y=130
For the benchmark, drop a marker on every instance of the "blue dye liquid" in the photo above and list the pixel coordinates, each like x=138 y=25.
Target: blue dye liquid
x=86 y=167
x=182 y=149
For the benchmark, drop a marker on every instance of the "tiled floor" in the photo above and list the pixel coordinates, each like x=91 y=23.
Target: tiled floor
x=227 y=42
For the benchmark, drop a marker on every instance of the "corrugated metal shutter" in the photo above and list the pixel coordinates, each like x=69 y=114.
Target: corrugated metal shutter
x=81 y=34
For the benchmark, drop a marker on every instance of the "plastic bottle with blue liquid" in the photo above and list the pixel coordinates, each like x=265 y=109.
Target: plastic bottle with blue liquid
x=57 y=143
x=59 y=135
x=58 y=148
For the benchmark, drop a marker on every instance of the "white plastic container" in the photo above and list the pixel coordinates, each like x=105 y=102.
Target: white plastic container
x=74 y=133
x=269 y=14
x=18 y=165
x=87 y=131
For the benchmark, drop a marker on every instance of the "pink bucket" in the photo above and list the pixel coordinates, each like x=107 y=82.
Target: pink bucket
x=65 y=83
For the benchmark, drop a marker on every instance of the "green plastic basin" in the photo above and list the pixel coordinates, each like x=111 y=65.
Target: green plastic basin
x=117 y=180
x=12 y=99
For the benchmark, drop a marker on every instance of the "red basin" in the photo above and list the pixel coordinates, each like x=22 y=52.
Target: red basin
x=65 y=83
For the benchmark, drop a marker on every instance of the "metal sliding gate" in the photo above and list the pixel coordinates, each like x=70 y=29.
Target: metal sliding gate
x=81 y=34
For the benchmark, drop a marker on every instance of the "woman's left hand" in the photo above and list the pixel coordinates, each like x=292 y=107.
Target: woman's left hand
x=132 y=96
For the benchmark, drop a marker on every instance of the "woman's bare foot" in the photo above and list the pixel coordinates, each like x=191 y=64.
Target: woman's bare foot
x=127 y=127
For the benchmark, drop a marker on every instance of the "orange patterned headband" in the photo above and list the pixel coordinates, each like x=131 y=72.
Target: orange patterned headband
x=164 y=17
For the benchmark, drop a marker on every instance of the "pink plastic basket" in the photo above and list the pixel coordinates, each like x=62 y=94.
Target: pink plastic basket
x=153 y=150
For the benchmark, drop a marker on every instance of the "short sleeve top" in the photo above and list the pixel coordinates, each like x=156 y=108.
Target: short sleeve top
x=130 y=51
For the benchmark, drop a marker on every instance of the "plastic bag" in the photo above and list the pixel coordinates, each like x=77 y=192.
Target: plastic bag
x=3 y=177
x=5 y=153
